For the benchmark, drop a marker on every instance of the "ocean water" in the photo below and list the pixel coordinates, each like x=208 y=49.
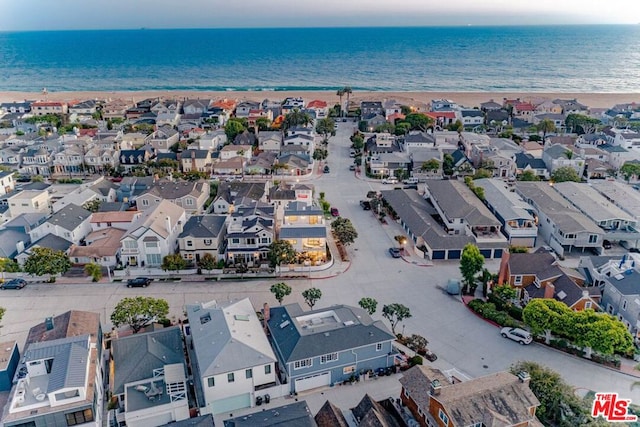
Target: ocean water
x=520 y=59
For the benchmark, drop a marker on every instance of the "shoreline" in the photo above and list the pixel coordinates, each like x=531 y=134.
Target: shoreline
x=466 y=99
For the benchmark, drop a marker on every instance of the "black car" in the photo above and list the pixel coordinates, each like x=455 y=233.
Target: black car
x=606 y=244
x=14 y=284
x=138 y=282
x=326 y=169
x=395 y=252
x=365 y=204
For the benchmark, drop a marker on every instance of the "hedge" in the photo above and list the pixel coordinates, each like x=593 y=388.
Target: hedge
x=488 y=311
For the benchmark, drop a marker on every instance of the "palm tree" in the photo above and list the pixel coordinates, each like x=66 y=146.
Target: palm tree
x=340 y=93
x=348 y=91
x=295 y=118
x=545 y=126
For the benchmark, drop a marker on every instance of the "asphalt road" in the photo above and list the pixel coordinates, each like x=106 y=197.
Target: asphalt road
x=457 y=336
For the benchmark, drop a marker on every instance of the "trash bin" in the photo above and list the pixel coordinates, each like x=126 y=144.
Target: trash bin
x=267 y=398
x=258 y=400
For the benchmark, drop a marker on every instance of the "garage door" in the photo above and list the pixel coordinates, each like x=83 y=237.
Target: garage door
x=231 y=403
x=527 y=242
x=454 y=254
x=438 y=254
x=313 y=381
x=486 y=253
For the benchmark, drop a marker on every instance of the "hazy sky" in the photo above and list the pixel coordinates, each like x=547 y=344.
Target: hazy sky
x=20 y=15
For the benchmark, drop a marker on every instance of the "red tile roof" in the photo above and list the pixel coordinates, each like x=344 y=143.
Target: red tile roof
x=317 y=104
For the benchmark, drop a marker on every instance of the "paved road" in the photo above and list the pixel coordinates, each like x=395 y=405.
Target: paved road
x=459 y=338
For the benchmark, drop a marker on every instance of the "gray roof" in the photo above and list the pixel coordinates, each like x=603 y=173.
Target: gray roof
x=52 y=241
x=8 y=240
x=229 y=191
x=525 y=159
x=627 y=283
x=457 y=201
x=204 y=226
x=590 y=202
x=26 y=221
x=341 y=328
x=71 y=357
x=419 y=137
x=562 y=213
x=136 y=356
x=300 y=208
x=506 y=203
x=224 y=343
x=622 y=195
x=417 y=214
x=294 y=414
x=302 y=232
x=70 y=217
x=201 y=421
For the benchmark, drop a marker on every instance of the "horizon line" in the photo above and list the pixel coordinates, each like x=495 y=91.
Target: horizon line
x=143 y=28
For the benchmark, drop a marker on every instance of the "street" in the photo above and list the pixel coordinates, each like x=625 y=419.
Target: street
x=456 y=335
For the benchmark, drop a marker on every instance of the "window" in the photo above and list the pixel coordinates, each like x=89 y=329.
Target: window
x=208 y=242
x=189 y=202
x=265 y=240
x=379 y=346
x=189 y=243
x=593 y=238
x=304 y=363
x=331 y=357
x=251 y=241
x=151 y=244
x=236 y=241
x=517 y=280
x=154 y=259
x=267 y=369
x=231 y=378
x=248 y=373
x=79 y=417
x=587 y=304
x=130 y=244
x=624 y=304
x=145 y=202
x=443 y=417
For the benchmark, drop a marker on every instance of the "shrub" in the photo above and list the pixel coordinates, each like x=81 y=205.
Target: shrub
x=415 y=360
x=499 y=302
x=515 y=312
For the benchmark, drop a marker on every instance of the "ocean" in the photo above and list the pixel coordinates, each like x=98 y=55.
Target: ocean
x=578 y=58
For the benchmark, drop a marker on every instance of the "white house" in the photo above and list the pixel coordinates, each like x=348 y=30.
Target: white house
x=72 y=223
x=232 y=359
x=153 y=236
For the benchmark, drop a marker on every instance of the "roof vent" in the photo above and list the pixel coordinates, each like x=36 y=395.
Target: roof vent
x=562 y=295
x=284 y=324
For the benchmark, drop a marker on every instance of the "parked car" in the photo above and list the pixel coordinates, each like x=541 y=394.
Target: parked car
x=365 y=204
x=138 y=282
x=335 y=212
x=520 y=335
x=430 y=356
x=606 y=244
x=352 y=167
x=326 y=169
x=390 y=181
x=14 y=284
x=395 y=252
x=410 y=181
x=634 y=250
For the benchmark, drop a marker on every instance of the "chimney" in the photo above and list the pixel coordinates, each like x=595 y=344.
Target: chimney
x=524 y=377
x=49 y=324
x=435 y=388
x=585 y=293
x=20 y=246
x=549 y=290
x=167 y=222
x=266 y=314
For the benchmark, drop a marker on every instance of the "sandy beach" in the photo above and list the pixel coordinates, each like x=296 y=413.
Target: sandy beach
x=467 y=99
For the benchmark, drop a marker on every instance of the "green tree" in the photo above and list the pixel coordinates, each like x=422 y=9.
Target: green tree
x=447 y=164
x=340 y=93
x=311 y=296
x=581 y=124
x=565 y=173
x=280 y=290
x=600 y=332
x=9 y=266
x=344 y=230
x=357 y=142
x=370 y=305
x=233 y=128
x=395 y=313
x=320 y=154
x=2 y=312
x=471 y=263
x=263 y=123
x=559 y=405
x=92 y=205
x=630 y=170
x=93 y=270
x=505 y=292
x=418 y=121
x=47 y=261
x=173 y=262
x=347 y=91
x=281 y=252
x=431 y=165
x=326 y=127
x=545 y=126
x=138 y=312
x=402 y=128
x=544 y=316
x=296 y=118
x=207 y=262
x=528 y=176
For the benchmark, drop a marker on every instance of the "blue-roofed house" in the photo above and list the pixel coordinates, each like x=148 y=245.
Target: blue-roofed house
x=526 y=162
x=231 y=357
x=60 y=377
x=303 y=226
x=327 y=346
x=148 y=376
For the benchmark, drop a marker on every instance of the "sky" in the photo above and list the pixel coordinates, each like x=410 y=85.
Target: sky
x=31 y=15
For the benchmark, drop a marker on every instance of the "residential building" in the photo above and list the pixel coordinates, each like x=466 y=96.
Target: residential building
x=163 y=138
x=7 y=183
x=50 y=241
x=326 y=346
x=292 y=103
x=270 y=141
x=244 y=107
x=262 y=163
x=319 y=107
x=537 y=275
x=231 y=357
x=518 y=224
x=417 y=139
x=190 y=195
x=301 y=136
x=203 y=234
x=63 y=384
x=101 y=247
x=42 y=108
x=557 y=155
x=120 y=220
x=196 y=160
x=212 y=140
x=330 y=416
x=196 y=106
x=293 y=164
x=233 y=194
x=470 y=118
x=72 y=223
x=621 y=195
x=382 y=143
x=153 y=236
x=368 y=412
x=526 y=162
x=134 y=140
x=130 y=159
x=148 y=377
x=9 y=360
x=562 y=226
x=250 y=231
x=501 y=398
x=387 y=164
x=303 y=226
x=36 y=160
x=232 y=150
x=291 y=414
x=116 y=108
x=83 y=108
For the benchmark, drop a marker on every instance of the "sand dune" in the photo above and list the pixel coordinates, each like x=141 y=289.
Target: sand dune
x=467 y=99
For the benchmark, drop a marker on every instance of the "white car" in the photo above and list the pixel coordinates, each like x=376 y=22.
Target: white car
x=390 y=181
x=517 y=334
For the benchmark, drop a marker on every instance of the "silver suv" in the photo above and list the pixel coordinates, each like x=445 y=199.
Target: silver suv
x=517 y=334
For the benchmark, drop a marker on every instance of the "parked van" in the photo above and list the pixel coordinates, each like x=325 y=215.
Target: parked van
x=410 y=181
